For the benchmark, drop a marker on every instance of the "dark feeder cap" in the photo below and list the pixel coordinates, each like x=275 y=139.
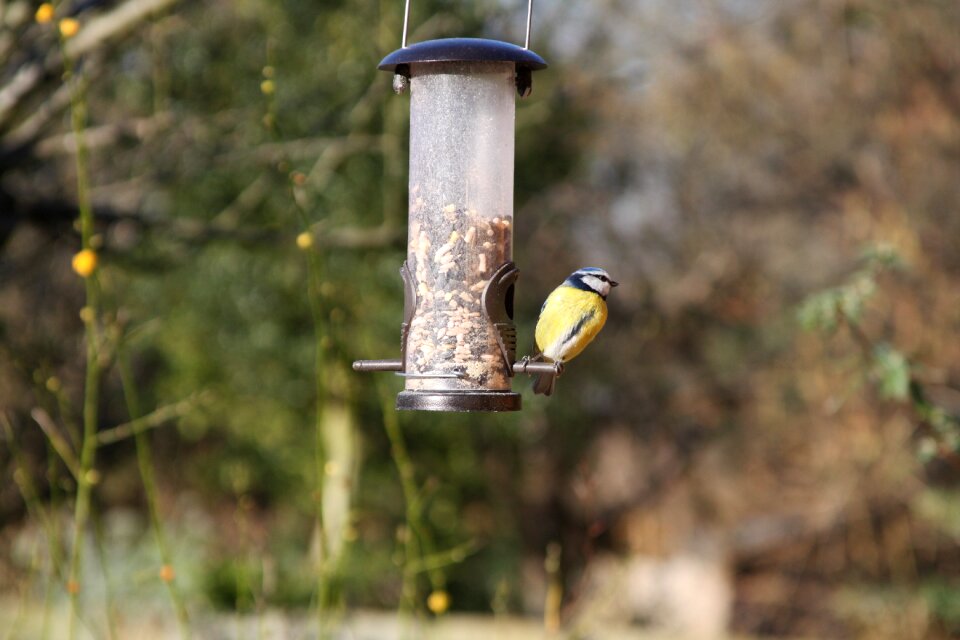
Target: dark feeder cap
x=466 y=50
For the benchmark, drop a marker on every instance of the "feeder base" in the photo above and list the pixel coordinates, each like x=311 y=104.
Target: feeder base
x=458 y=401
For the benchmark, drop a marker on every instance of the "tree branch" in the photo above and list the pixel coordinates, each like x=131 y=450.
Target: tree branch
x=93 y=34
x=151 y=420
x=57 y=439
x=113 y=24
x=103 y=136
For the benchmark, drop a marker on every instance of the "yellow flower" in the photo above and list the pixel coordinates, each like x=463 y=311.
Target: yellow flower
x=267 y=87
x=69 y=27
x=438 y=601
x=44 y=13
x=85 y=262
x=166 y=573
x=305 y=240
x=268 y=71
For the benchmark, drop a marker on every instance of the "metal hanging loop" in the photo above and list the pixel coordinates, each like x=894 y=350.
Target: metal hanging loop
x=406 y=24
x=526 y=41
x=406 y=21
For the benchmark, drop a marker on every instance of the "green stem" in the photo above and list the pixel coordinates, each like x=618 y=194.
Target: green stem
x=30 y=495
x=58 y=568
x=98 y=537
x=87 y=459
x=145 y=463
x=443 y=559
x=92 y=380
x=35 y=509
x=401 y=458
x=320 y=455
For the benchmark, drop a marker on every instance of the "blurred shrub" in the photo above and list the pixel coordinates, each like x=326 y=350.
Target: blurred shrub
x=728 y=170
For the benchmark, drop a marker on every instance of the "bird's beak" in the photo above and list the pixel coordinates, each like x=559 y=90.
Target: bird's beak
x=613 y=284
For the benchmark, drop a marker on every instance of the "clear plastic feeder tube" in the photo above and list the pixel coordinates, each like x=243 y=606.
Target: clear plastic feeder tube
x=461 y=220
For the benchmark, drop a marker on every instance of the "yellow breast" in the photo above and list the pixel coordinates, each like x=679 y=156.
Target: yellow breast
x=570 y=319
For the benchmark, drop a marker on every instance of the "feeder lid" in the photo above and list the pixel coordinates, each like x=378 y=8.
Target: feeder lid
x=463 y=50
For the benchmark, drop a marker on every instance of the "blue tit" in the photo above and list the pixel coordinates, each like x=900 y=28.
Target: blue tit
x=571 y=317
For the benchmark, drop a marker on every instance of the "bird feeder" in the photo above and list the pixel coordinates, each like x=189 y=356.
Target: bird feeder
x=458 y=340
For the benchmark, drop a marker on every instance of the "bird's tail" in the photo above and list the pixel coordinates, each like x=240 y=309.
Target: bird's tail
x=544 y=384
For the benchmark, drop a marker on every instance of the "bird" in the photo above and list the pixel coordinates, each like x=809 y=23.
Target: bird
x=570 y=319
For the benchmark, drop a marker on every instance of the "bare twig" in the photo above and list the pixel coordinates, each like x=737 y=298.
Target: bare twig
x=383 y=235
x=115 y=23
x=94 y=34
x=103 y=136
x=248 y=199
x=60 y=442
x=299 y=149
x=151 y=420
x=336 y=152
x=24 y=134
x=145 y=462
x=443 y=558
x=23 y=82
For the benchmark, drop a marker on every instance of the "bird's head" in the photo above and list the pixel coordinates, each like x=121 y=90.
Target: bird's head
x=591 y=279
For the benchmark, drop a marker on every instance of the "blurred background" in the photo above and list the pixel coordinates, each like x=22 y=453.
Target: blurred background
x=762 y=442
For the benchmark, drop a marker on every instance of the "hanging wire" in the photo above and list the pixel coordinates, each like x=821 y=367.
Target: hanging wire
x=526 y=42
x=406 y=22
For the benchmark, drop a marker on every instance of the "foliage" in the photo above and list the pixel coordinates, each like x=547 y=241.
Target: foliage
x=728 y=171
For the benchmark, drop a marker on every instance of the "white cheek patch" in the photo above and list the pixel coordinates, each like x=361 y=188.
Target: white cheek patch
x=598 y=285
